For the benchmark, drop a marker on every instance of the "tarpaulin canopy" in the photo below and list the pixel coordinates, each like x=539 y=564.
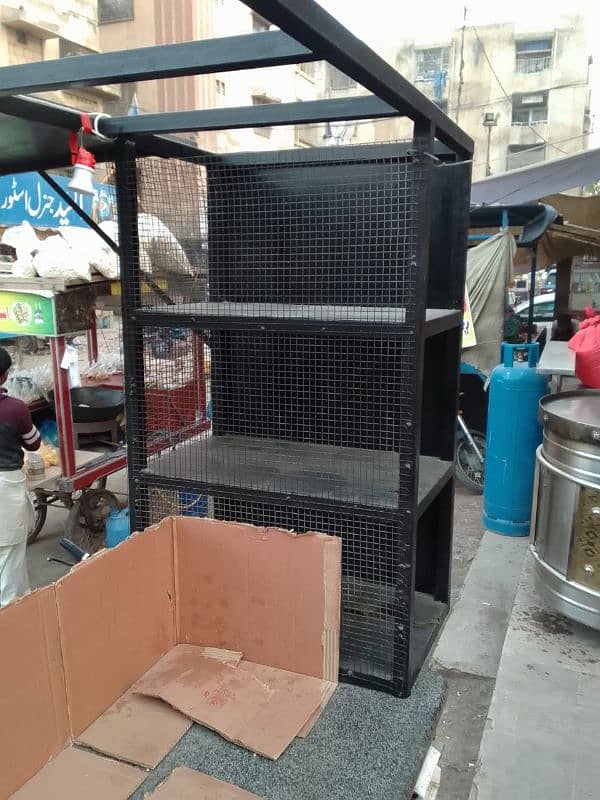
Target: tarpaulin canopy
x=529 y=184
x=534 y=218
x=489 y=270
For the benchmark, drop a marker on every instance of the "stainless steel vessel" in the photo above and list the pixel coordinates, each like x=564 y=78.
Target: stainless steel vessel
x=565 y=526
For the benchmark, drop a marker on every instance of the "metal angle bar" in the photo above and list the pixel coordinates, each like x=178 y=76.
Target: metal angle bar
x=266 y=49
x=328 y=154
x=78 y=210
x=36 y=110
x=147 y=478
x=258 y=116
x=311 y=25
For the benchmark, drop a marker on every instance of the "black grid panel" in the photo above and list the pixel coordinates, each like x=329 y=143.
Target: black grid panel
x=290 y=239
x=376 y=573
x=327 y=417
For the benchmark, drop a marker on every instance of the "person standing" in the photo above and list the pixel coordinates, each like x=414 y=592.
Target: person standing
x=17 y=432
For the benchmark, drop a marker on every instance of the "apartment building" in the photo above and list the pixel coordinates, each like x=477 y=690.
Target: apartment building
x=38 y=30
x=523 y=96
x=136 y=23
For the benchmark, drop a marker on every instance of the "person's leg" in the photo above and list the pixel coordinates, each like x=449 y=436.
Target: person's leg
x=14 y=581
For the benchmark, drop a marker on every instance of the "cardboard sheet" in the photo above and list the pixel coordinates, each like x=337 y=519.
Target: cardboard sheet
x=142 y=729
x=137 y=729
x=34 y=724
x=269 y=593
x=258 y=707
x=117 y=617
x=76 y=774
x=187 y=784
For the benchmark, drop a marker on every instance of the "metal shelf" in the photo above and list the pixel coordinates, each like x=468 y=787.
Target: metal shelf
x=350 y=476
x=292 y=316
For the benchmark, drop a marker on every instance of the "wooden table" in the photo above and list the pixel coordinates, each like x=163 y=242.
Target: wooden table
x=557 y=360
x=46 y=481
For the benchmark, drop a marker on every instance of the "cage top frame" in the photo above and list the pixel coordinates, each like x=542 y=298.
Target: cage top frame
x=306 y=33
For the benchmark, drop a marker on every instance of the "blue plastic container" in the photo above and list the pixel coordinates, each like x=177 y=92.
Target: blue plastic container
x=193 y=505
x=513 y=435
x=117 y=526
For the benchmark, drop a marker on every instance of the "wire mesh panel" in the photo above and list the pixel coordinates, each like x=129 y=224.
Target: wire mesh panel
x=290 y=239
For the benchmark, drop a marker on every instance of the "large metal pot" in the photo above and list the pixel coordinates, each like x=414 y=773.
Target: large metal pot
x=94 y=403
x=565 y=528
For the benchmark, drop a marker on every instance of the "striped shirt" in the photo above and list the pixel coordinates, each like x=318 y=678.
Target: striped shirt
x=17 y=431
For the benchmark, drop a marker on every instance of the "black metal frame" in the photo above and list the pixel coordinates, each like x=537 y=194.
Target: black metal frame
x=440 y=153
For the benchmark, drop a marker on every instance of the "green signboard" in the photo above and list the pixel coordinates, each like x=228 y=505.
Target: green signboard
x=27 y=313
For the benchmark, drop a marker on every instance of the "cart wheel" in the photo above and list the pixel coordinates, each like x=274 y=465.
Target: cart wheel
x=41 y=510
x=467 y=467
x=87 y=517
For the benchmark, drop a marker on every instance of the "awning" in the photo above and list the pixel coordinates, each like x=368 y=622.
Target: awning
x=528 y=184
x=534 y=218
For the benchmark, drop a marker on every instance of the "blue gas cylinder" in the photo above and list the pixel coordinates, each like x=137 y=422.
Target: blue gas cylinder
x=513 y=434
x=117 y=526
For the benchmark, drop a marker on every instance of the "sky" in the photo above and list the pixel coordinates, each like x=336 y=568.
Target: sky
x=384 y=21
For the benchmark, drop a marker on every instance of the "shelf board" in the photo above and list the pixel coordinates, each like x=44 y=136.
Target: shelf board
x=294 y=315
x=334 y=475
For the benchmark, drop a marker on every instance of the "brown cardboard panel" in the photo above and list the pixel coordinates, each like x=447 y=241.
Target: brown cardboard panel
x=137 y=729
x=258 y=707
x=34 y=723
x=269 y=593
x=117 y=617
x=187 y=784
x=327 y=690
x=76 y=774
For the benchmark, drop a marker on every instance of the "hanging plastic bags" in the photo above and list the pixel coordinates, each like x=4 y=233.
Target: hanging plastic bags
x=586 y=346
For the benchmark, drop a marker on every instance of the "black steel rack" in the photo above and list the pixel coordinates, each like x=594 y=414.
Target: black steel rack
x=314 y=295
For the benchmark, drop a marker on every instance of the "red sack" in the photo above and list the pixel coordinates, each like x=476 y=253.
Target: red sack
x=586 y=345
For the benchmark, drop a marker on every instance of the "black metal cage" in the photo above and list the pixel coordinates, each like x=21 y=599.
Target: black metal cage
x=292 y=323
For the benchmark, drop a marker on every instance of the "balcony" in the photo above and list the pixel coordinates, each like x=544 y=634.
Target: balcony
x=523 y=134
x=533 y=64
x=29 y=21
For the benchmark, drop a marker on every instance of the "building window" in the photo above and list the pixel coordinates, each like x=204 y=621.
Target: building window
x=527 y=109
x=523 y=155
x=534 y=55
x=338 y=81
x=431 y=63
x=259 y=24
x=66 y=49
x=307 y=135
x=261 y=100
x=114 y=11
x=220 y=86
x=308 y=69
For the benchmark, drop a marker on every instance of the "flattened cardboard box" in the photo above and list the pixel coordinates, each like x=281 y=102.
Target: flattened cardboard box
x=71 y=650
x=187 y=784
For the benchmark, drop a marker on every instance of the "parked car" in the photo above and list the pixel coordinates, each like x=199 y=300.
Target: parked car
x=543 y=312
x=549 y=286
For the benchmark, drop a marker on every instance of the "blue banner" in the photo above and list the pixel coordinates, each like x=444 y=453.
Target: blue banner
x=28 y=197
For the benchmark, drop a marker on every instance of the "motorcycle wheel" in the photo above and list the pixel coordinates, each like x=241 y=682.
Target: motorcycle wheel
x=467 y=467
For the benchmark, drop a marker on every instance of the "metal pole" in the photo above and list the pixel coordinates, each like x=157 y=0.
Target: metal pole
x=92 y=339
x=133 y=342
x=62 y=403
x=531 y=292
x=488 y=166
